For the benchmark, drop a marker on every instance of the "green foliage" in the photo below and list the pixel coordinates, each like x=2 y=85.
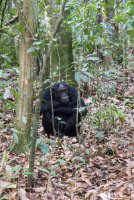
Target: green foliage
x=106 y=119
x=42 y=145
x=102 y=25
x=9 y=94
x=109 y=151
x=80 y=77
x=21 y=27
x=8 y=39
x=8 y=51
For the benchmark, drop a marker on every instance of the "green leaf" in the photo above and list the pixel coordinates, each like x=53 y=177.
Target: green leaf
x=46 y=171
x=53 y=173
x=83 y=160
x=55 y=166
x=100 y=134
x=39 y=142
x=38 y=43
x=21 y=27
x=1 y=72
x=61 y=161
x=15 y=137
x=93 y=58
x=51 y=141
x=45 y=148
x=2 y=115
x=77 y=77
x=31 y=49
x=7 y=94
x=88 y=74
x=84 y=78
x=87 y=151
x=16 y=168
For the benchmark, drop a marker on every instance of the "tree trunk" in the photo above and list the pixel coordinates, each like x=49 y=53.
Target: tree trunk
x=59 y=64
x=116 y=51
x=28 y=21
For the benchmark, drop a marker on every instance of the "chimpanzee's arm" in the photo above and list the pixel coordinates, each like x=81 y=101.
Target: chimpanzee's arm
x=64 y=110
x=71 y=109
x=47 y=106
x=71 y=122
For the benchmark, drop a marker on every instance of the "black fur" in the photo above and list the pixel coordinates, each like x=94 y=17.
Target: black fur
x=65 y=114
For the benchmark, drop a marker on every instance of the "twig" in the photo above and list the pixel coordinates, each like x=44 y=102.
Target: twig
x=12 y=20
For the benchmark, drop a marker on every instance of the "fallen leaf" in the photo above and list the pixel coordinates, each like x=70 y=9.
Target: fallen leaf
x=4 y=185
x=39 y=189
x=91 y=194
x=22 y=194
x=9 y=171
x=7 y=94
x=105 y=196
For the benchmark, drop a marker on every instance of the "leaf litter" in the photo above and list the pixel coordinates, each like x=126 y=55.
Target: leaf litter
x=87 y=168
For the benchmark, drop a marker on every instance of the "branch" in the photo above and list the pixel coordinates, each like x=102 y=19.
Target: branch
x=62 y=9
x=12 y=20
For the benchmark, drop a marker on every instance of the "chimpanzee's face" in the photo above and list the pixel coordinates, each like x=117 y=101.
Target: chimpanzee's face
x=62 y=93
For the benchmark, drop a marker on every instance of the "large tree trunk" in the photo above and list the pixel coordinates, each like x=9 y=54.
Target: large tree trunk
x=28 y=20
x=59 y=65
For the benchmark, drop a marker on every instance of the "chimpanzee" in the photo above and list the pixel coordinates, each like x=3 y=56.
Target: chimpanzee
x=61 y=107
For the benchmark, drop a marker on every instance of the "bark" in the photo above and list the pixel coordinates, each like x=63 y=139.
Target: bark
x=59 y=63
x=28 y=19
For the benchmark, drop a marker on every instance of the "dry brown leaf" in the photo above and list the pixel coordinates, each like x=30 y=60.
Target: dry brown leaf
x=39 y=189
x=63 y=167
x=9 y=171
x=91 y=194
x=13 y=196
x=105 y=196
x=115 y=100
x=85 y=178
x=132 y=196
x=4 y=185
x=22 y=194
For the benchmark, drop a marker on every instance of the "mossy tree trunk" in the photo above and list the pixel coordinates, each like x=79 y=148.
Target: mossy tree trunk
x=28 y=22
x=59 y=65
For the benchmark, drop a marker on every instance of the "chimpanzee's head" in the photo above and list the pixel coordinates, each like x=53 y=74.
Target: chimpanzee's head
x=61 y=93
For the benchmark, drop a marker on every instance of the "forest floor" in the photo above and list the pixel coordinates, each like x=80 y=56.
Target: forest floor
x=99 y=165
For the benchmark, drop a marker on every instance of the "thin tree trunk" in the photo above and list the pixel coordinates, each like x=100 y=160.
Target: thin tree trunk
x=38 y=102
x=28 y=20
